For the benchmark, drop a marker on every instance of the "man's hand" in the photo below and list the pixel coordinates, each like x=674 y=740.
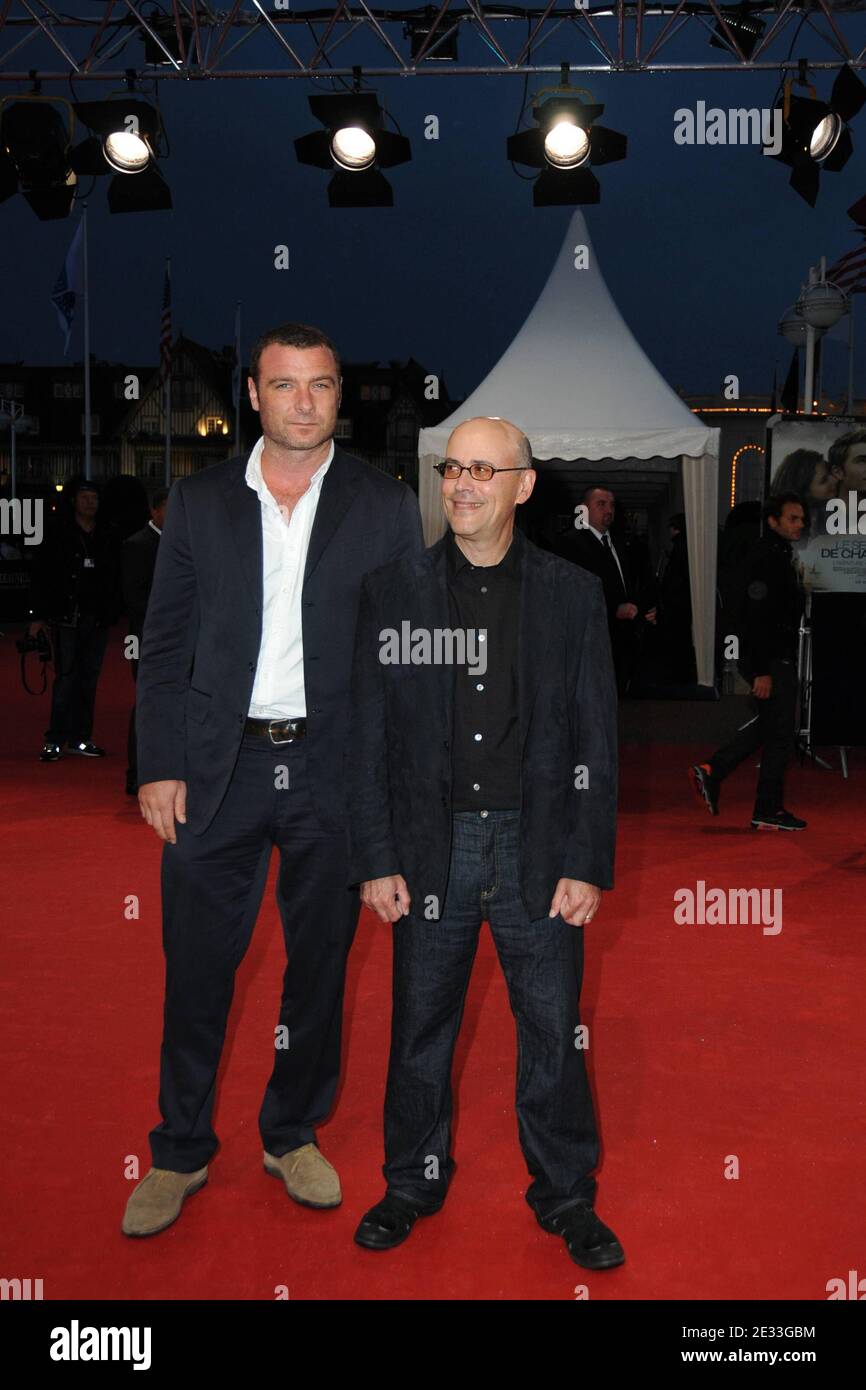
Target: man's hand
x=576 y=902
x=627 y=611
x=388 y=897
x=38 y=626
x=161 y=804
x=762 y=687
x=651 y=615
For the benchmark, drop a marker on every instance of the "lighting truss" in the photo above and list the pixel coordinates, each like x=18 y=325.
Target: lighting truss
x=185 y=40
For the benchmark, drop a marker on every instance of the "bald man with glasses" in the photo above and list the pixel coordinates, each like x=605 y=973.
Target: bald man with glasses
x=482 y=786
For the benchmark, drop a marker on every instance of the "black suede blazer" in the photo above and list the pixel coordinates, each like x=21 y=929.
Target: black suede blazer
x=399 y=752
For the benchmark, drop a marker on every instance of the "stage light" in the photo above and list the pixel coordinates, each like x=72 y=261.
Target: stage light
x=126 y=136
x=34 y=155
x=566 y=145
x=355 y=145
x=353 y=148
x=566 y=138
x=443 y=49
x=127 y=153
x=825 y=136
x=746 y=28
x=815 y=133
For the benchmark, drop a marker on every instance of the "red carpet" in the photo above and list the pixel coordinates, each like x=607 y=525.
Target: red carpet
x=706 y=1042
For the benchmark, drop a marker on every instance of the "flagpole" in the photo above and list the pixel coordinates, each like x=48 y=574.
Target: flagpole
x=87 y=431
x=168 y=397
x=237 y=392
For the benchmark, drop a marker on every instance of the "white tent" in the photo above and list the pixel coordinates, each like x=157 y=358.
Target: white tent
x=576 y=382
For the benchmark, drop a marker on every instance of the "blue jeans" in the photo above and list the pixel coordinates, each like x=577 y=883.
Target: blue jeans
x=543 y=963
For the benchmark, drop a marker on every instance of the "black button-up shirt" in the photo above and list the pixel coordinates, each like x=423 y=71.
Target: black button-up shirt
x=485 y=755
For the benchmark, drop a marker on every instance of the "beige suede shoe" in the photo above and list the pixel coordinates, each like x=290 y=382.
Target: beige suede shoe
x=310 y=1179
x=156 y=1201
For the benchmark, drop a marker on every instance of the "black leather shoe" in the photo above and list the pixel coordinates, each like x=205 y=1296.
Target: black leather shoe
x=389 y=1222
x=590 y=1243
x=85 y=749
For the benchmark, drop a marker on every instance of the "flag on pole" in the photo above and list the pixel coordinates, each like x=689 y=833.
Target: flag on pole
x=67 y=286
x=165 y=330
x=236 y=364
x=849 y=272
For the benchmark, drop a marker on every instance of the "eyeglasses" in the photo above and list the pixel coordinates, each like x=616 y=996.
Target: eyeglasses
x=479 y=472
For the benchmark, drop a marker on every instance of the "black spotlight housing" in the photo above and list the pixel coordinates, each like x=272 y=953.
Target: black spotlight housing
x=746 y=28
x=34 y=157
x=815 y=133
x=105 y=118
x=365 y=185
x=444 y=44
x=565 y=179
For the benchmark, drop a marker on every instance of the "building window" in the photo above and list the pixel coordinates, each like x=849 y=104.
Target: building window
x=94 y=424
x=343 y=430
x=68 y=390
x=11 y=389
x=365 y=393
x=384 y=393
x=215 y=424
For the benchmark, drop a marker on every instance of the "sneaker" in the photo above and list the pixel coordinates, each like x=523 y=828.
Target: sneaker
x=777 y=820
x=707 y=786
x=86 y=750
x=50 y=753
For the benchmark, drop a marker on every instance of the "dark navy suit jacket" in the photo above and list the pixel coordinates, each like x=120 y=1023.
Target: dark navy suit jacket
x=399 y=753
x=204 y=624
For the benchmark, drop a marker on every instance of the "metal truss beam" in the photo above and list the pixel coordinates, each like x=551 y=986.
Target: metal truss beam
x=193 y=40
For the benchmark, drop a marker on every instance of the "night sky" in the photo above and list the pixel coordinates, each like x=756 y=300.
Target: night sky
x=703 y=248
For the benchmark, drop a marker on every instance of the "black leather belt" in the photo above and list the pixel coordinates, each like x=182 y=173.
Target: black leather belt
x=278 y=730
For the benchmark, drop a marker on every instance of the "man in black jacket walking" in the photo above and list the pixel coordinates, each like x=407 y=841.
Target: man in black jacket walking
x=482 y=776
x=769 y=636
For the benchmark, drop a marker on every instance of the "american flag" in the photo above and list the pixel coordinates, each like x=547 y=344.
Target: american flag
x=67 y=286
x=165 y=330
x=849 y=272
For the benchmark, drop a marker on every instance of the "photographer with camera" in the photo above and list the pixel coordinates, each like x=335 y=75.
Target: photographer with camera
x=75 y=596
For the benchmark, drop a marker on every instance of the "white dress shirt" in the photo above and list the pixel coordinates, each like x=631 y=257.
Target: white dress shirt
x=278 y=689
x=600 y=535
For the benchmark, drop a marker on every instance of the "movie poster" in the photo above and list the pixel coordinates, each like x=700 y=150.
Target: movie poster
x=824 y=462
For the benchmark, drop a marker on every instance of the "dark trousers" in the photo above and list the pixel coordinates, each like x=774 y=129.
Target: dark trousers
x=212 y=887
x=131 y=739
x=78 y=656
x=543 y=964
x=772 y=730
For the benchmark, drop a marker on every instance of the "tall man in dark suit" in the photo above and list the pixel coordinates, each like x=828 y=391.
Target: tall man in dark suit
x=591 y=546
x=482 y=773
x=138 y=562
x=243 y=707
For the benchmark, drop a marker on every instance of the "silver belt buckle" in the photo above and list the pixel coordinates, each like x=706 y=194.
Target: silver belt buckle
x=277 y=742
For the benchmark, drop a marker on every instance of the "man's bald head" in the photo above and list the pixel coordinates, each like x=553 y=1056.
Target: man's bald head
x=496 y=437
x=481 y=513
